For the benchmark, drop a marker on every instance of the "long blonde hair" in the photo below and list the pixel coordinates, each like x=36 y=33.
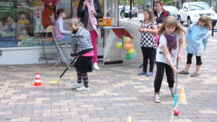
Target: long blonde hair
x=171 y=21
x=206 y=20
x=75 y=24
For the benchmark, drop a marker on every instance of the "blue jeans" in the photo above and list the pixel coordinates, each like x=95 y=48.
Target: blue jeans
x=66 y=39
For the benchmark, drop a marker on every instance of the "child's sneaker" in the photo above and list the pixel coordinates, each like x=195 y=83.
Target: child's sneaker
x=195 y=74
x=149 y=74
x=142 y=73
x=183 y=72
x=172 y=92
x=83 y=88
x=156 y=98
x=78 y=85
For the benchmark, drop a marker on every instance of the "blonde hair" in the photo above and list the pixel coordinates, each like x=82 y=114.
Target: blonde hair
x=206 y=20
x=75 y=24
x=171 y=21
x=151 y=14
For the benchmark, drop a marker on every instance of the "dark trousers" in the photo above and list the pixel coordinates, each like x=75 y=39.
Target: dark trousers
x=160 y=74
x=148 y=54
x=198 y=59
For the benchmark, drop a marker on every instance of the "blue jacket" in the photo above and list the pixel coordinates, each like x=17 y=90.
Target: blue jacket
x=197 y=37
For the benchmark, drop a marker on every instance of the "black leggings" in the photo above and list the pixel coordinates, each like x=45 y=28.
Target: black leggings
x=148 y=53
x=82 y=76
x=160 y=74
x=198 y=59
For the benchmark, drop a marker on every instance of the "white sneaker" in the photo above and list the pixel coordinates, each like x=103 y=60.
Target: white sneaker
x=83 y=88
x=78 y=85
x=156 y=98
x=95 y=66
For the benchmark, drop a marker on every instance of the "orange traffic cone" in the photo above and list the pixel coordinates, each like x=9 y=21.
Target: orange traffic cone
x=182 y=96
x=37 y=80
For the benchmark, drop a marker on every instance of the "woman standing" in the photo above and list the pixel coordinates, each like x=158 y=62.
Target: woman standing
x=89 y=11
x=160 y=13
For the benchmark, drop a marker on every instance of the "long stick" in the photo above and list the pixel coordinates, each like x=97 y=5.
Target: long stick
x=176 y=95
x=68 y=66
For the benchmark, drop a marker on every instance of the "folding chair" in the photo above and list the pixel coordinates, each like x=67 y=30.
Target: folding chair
x=47 y=34
x=61 y=50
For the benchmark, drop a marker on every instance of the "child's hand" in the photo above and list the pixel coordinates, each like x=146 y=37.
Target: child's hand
x=141 y=29
x=145 y=30
x=179 y=57
x=175 y=71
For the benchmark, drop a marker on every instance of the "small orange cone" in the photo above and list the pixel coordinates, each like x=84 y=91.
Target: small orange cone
x=182 y=96
x=37 y=80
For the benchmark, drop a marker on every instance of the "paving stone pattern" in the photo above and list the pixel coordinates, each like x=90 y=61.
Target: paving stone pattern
x=116 y=92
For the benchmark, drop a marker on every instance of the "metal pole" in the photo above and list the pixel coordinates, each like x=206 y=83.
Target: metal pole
x=216 y=5
x=130 y=9
x=105 y=7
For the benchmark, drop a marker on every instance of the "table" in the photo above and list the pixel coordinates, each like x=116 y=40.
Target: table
x=120 y=32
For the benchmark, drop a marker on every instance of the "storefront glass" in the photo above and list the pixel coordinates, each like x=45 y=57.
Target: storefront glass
x=22 y=21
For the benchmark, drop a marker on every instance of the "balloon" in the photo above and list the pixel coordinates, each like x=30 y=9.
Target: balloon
x=118 y=44
x=127 y=46
x=131 y=51
x=124 y=38
x=123 y=42
x=133 y=56
x=127 y=40
x=131 y=46
x=128 y=57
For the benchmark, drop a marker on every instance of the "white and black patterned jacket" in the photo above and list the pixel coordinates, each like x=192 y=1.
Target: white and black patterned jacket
x=148 y=39
x=81 y=42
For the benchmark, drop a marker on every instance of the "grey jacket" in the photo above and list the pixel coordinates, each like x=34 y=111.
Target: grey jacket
x=81 y=42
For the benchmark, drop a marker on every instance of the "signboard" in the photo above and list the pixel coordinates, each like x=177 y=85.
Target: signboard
x=7 y=24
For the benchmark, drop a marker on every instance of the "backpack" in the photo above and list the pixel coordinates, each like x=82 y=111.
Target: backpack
x=165 y=13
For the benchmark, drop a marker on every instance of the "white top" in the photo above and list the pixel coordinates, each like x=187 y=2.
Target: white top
x=160 y=56
x=60 y=22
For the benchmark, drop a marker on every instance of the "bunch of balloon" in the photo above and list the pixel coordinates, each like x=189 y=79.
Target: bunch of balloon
x=126 y=45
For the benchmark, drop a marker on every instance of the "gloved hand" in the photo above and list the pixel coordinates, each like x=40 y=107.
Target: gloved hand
x=74 y=54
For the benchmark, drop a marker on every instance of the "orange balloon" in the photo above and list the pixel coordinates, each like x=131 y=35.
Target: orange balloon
x=127 y=40
x=131 y=46
x=127 y=46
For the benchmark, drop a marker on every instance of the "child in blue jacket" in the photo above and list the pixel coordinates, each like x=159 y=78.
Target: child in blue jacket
x=197 y=37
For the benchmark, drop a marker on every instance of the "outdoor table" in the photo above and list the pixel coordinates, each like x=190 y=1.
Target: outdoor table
x=120 y=32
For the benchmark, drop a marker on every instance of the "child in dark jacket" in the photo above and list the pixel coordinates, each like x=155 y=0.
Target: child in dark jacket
x=83 y=49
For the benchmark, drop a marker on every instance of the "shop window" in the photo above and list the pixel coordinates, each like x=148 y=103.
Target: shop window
x=21 y=20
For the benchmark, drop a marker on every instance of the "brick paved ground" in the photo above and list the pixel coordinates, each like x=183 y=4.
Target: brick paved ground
x=116 y=92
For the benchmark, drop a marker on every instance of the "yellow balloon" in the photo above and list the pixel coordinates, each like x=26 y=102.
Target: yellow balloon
x=131 y=51
x=118 y=44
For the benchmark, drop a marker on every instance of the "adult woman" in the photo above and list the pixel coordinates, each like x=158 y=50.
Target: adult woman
x=160 y=13
x=89 y=11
